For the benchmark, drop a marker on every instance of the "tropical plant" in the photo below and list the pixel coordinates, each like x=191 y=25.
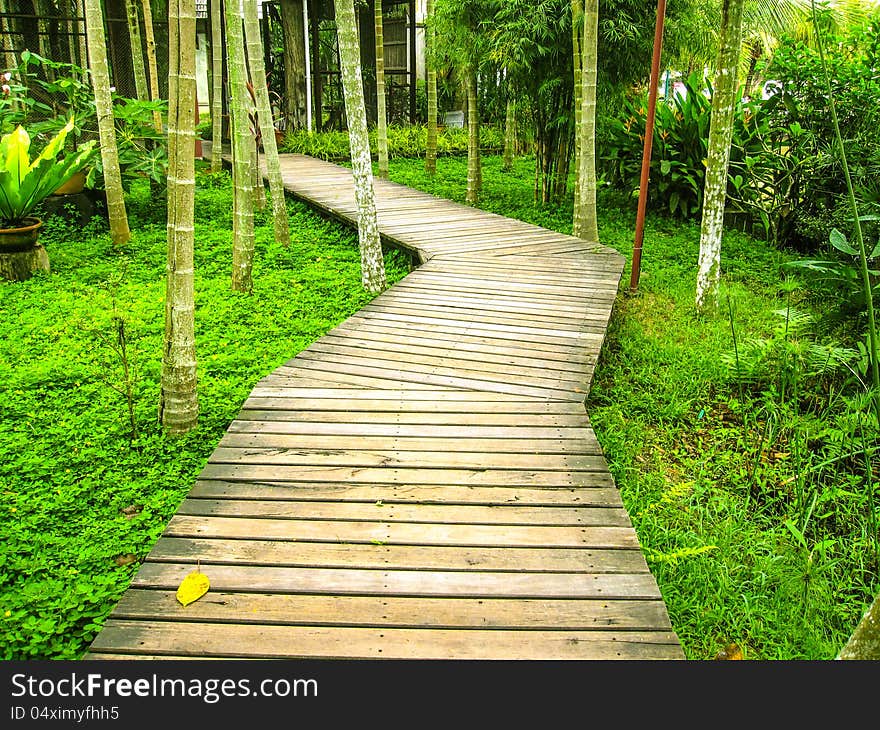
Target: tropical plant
x=25 y=183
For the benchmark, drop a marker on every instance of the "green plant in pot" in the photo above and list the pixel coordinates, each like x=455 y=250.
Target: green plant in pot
x=24 y=184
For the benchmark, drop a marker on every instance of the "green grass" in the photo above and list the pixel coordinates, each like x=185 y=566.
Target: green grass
x=711 y=470
x=78 y=496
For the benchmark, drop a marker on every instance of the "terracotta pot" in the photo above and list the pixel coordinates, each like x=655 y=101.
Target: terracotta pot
x=22 y=238
x=75 y=184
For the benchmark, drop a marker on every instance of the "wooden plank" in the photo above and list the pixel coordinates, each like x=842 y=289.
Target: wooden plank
x=464 y=442
x=337 y=531
x=355 y=427
x=277 y=553
x=343 y=415
x=480 y=476
x=603 y=494
x=389 y=459
x=398 y=612
x=295 y=642
x=428 y=583
x=378 y=511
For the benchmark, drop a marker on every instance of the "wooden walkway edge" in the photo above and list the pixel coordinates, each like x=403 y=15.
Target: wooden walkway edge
x=423 y=481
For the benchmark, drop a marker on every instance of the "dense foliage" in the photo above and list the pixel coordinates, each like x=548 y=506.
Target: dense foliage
x=785 y=180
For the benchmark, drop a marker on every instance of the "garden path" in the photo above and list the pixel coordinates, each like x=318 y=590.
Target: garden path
x=423 y=481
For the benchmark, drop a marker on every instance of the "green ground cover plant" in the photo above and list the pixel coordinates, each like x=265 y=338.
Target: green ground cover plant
x=740 y=440
x=83 y=498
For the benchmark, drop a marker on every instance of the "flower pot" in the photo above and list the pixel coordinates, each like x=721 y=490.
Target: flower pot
x=20 y=238
x=75 y=184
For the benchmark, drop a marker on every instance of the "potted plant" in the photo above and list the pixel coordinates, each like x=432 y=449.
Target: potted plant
x=24 y=184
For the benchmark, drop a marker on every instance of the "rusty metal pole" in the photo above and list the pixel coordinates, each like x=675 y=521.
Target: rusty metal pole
x=649 y=139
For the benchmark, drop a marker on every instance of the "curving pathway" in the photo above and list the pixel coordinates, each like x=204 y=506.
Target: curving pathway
x=423 y=481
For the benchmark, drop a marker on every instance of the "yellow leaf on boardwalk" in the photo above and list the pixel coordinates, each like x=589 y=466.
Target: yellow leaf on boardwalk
x=193 y=587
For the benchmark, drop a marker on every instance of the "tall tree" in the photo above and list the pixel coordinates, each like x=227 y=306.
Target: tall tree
x=243 y=154
x=577 y=20
x=474 y=173
x=295 y=97
x=587 y=226
x=724 y=100
x=430 y=62
x=266 y=125
x=119 y=230
x=178 y=401
x=462 y=26
x=372 y=262
x=137 y=54
x=509 y=131
x=150 y=39
x=381 y=115
x=217 y=85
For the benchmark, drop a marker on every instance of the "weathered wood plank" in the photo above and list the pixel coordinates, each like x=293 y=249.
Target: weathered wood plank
x=400 y=533
x=398 y=612
x=277 y=553
x=294 y=642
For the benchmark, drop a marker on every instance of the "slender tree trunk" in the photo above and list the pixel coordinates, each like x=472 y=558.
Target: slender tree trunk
x=150 y=39
x=178 y=401
x=372 y=262
x=577 y=13
x=243 y=152
x=589 y=227
x=864 y=644
x=509 y=133
x=473 y=164
x=718 y=155
x=295 y=99
x=83 y=43
x=6 y=38
x=381 y=115
x=119 y=231
x=431 y=145
x=69 y=27
x=217 y=47
x=137 y=54
x=266 y=125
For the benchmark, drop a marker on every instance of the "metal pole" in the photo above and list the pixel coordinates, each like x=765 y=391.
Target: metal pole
x=649 y=139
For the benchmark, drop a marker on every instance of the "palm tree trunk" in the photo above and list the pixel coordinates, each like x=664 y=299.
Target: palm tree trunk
x=137 y=54
x=509 y=133
x=473 y=165
x=119 y=231
x=381 y=115
x=295 y=99
x=588 y=228
x=178 y=401
x=431 y=144
x=264 y=119
x=216 y=85
x=372 y=262
x=577 y=13
x=243 y=153
x=150 y=39
x=718 y=155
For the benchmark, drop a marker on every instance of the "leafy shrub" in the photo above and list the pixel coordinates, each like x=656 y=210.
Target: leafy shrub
x=817 y=185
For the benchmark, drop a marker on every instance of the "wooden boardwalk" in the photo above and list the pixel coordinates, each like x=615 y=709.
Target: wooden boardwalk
x=422 y=481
